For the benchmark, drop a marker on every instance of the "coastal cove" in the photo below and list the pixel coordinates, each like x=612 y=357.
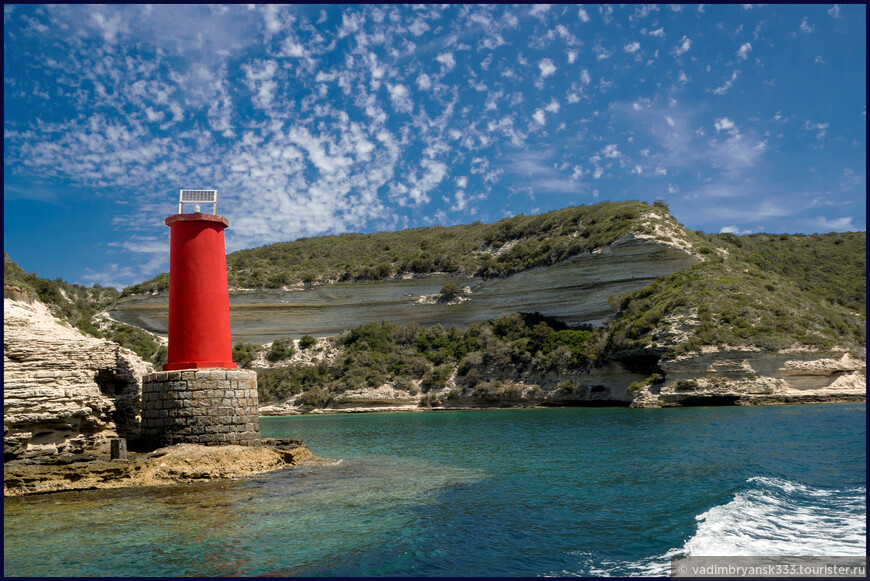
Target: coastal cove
x=567 y=491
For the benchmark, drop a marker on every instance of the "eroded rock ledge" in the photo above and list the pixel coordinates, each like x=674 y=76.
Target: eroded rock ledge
x=753 y=377
x=170 y=465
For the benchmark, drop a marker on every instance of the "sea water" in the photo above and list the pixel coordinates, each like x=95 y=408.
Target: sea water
x=532 y=492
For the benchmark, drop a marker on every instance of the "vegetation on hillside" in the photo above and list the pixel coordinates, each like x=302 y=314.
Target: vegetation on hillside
x=416 y=359
x=466 y=250
x=764 y=291
x=767 y=291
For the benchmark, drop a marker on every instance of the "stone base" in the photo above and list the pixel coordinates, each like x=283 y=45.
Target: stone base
x=200 y=406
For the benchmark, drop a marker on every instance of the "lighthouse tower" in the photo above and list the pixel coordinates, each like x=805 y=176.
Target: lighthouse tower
x=199 y=302
x=200 y=396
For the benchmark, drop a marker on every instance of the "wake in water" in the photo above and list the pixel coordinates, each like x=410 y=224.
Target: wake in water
x=779 y=517
x=773 y=516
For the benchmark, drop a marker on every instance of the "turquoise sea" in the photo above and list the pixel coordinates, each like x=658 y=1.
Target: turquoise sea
x=533 y=492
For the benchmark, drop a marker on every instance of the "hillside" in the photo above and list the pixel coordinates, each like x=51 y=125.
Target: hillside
x=476 y=250
x=765 y=291
x=690 y=316
x=755 y=298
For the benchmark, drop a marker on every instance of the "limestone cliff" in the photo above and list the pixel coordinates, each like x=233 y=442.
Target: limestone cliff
x=753 y=377
x=63 y=392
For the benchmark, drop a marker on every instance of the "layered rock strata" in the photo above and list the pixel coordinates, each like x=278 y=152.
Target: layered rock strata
x=201 y=406
x=575 y=291
x=743 y=377
x=63 y=392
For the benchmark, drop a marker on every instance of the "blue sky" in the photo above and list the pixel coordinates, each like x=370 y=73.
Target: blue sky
x=323 y=119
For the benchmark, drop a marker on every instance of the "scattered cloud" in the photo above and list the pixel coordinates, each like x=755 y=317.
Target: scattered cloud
x=722 y=89
x=806 y=27
x=683 y=47
x=363 y=117
x=547 y=67
x=724 y=124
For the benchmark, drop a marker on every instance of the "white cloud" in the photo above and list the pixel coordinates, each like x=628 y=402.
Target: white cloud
x=744 y=51
x=547 y=67
x=585 y=78
x=683 y=47
x=446 y=59
x=843 y=224
x=822 y=128
x=400 y=98
x=539 y=10
x=632 y=47
x=721 y=90
x=270 y=16
x=611 y=151
x=834 y=11
x=601 y=53
x=540 y=116
x=724 y=124
x=572 y=56
x=583 y=15
x=109 y=26
x=424 y=83
x=734 y=230
x=418 y=27
x=806 y=27
x=553 y=106
x=659 y=32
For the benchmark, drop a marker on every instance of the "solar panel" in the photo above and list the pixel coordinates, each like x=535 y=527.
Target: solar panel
x=199 y=196
x=192 y=196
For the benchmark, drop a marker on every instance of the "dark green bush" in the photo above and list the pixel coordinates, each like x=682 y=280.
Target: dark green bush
x=244 y=353
x=281 y=349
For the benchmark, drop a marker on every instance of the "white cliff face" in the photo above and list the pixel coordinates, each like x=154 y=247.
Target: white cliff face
x=751 y=377
x=574 y=291
x=64 y=392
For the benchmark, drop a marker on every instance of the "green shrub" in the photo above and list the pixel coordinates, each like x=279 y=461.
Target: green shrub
x=244 y=353
x=685 y=385
x=281 y=349
x=307 y=341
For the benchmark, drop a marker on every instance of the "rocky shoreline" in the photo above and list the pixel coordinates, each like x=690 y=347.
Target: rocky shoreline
x=180 y=463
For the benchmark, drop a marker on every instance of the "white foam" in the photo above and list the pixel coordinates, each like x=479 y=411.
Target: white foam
x=773 y=516
x=779 y=517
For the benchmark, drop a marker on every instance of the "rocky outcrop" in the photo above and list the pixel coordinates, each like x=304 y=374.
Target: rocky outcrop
x=575 y=291
x=170 y=465
x=754 y=377
x=64 y=393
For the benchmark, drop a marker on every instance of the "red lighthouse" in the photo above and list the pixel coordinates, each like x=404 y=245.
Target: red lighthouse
x=199 y=303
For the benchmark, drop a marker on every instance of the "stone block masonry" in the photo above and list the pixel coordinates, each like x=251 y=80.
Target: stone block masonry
x=200 y=406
